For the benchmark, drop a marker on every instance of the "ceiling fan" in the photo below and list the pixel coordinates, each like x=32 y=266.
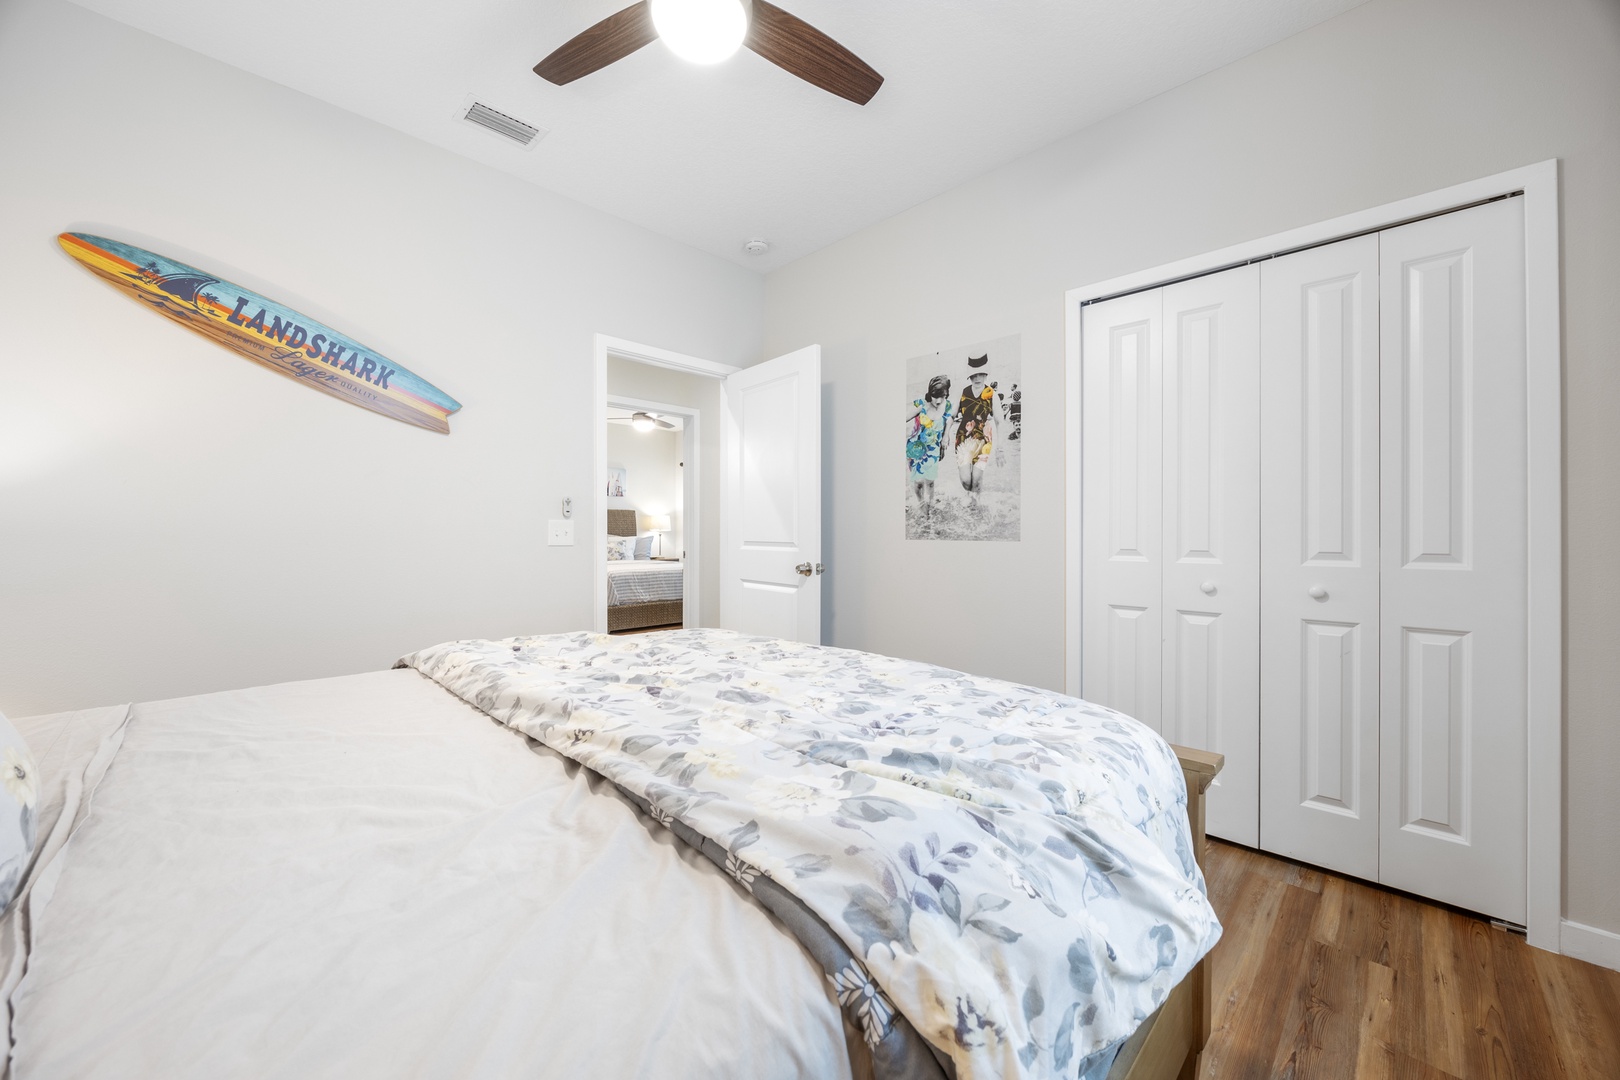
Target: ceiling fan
x=643 y=421
x=708 y=31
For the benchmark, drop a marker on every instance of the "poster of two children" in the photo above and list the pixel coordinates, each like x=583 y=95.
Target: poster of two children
x=964 y=441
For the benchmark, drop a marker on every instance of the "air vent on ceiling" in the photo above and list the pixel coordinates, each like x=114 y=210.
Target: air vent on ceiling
x=501 y=124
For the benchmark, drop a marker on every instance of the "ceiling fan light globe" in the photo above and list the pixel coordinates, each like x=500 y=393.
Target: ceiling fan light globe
x=700 y=31
x=642 y=422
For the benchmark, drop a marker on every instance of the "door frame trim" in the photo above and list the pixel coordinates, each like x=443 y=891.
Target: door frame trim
x=1538 y=184
x=603 y=346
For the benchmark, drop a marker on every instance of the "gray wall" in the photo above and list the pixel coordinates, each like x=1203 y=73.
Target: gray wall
x=175 y=519
x=1392 y=99
x=652 y=460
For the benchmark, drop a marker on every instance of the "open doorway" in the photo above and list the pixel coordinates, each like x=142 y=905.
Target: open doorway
x=752 y=482
x=684 y=393
x=648 y=446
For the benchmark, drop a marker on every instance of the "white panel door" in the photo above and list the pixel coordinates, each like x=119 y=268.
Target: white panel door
x=1122 y=486
x=1210 y=696
x=770 y=542
x=1454 y=559
x=1319 y=556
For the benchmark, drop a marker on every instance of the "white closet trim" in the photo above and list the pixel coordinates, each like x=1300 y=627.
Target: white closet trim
x=1543 y=406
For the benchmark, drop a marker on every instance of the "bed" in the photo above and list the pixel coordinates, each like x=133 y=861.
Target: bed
x=686 y=854
x=642 y=592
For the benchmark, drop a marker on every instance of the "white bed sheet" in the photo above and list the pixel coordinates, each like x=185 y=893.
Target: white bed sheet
x=364 y=876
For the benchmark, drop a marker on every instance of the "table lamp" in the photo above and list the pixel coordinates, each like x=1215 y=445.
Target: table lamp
x=659 y=523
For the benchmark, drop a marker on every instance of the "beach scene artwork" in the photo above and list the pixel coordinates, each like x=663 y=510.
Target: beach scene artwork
x=964 y=442
x=265 y=332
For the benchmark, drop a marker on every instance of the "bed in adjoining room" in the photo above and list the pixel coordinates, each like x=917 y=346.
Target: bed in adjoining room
x=690 y=854
x=642 y=592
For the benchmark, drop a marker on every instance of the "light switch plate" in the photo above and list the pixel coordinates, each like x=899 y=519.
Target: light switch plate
x=560 y=533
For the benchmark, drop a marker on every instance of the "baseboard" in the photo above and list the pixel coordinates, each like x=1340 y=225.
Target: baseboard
x=1601 y=947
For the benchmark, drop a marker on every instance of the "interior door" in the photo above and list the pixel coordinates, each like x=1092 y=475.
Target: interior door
x=770 y=529
x=1454 y=555
x=1210 y=697
x=1319 y=564
x=1122 y=483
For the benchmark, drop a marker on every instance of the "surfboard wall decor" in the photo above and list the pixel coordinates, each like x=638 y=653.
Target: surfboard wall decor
x=266 y=332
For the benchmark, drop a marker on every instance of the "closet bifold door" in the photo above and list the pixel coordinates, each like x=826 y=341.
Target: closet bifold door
x=1319 y=561
x=1122 y=486
x=1454 y=559
x=1210 y=697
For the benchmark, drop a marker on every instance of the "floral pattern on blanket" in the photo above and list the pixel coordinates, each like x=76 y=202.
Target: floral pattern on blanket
x=1010 y=869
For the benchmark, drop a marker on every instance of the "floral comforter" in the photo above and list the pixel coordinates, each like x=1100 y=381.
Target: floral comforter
x=998 y=880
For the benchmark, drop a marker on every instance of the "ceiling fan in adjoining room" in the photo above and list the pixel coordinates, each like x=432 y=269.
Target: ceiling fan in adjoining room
x=643 y=421
x=708 y=31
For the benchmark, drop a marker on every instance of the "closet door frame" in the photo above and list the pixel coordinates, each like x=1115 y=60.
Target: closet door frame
x=1538 y=185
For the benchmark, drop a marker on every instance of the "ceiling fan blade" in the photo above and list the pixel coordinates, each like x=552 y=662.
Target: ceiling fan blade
x=661 y=422
x=614 y=38
x=797 y=47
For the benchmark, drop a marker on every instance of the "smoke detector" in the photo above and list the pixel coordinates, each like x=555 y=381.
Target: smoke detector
x=756 y=247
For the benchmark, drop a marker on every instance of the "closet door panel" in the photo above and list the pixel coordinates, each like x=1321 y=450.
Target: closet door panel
x=1454 y=559
x=1210 y=695
x=1319 y=543
x=1122 y=484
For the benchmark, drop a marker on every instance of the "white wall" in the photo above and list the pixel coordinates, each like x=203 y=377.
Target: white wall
x=1392 y=99
x=175 y=519
x=644 y=382
x=653 y=459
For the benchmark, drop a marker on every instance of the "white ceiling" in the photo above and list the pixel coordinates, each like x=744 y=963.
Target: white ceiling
x=714 y=156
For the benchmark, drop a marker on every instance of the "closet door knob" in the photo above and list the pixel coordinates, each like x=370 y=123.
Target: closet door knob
x=1208 y=588
x=1316 y=592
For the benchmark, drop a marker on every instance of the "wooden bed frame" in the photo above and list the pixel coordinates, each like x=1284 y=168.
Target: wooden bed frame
x=1167 y=1046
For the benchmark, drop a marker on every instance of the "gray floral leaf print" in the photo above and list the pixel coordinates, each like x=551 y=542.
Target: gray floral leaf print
x=742 y=836
x=836 y=751
x=878 y=919
x=1063 y=1047
x=1165 y=941
x=995 y=929
x=1082 y=969
x=1097 y=852
x=1034 y=1004
x=958 y=853
x=638 y=744
x=804 y=865
x=873 y=808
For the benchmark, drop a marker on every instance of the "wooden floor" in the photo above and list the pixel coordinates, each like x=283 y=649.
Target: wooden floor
x=1320 y=976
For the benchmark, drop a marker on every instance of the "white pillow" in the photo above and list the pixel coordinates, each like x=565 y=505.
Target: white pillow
x=644 y=546
x=620 y=548
x=19 y=788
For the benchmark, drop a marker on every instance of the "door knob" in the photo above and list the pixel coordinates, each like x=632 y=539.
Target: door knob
x=1208 y=588
x=1316 y=592
x=803 y=569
